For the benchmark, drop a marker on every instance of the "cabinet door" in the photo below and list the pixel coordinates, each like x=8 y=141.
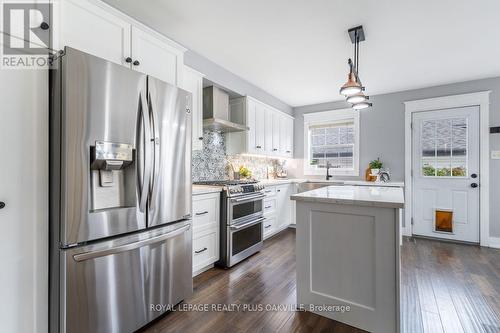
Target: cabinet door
x=260 y=123
x=92 y=29
x=289 y=137
x=268 y=132
x=283 y=145
x=156 y=57
x=276 y=133
x=193 y=82
x=284 y=209
x=251 y=123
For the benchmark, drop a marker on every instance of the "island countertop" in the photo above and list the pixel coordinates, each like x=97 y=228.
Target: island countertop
x=372 y=196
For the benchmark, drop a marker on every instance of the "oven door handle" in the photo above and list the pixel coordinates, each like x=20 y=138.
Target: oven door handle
x=249 y=198
x=249 y=224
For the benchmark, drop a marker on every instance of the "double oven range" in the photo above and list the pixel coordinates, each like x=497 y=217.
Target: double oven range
x=242 y=220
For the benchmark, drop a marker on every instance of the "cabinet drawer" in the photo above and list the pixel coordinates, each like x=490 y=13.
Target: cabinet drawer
x=270 y=191
x=269 y=225
x=206 y=212
x=270 y=205
x=205 y=250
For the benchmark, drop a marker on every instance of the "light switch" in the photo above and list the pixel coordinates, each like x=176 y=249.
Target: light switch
x=495 y=154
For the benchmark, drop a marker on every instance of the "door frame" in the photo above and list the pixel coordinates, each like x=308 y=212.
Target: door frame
x=480 y=99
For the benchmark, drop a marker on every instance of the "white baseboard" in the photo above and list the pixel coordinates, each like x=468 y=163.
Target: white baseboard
x=495 y=242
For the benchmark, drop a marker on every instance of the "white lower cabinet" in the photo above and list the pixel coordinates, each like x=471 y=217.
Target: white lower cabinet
x=277 y=208
x=206 y=222
x=205 y=250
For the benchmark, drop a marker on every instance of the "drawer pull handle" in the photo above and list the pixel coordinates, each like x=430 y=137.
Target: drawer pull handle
x=267 y=207
x=268 y=226
x=268 y=191
x=200 y=251
x=202 y=213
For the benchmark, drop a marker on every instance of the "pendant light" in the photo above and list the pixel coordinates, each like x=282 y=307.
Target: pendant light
x=353 y=88
x=358 y=98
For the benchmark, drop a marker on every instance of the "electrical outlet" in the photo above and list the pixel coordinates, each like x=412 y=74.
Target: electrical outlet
x=495 y=154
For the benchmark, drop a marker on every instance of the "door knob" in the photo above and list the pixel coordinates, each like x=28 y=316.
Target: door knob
x=473 y=175
x=44 y=26
x=474 y=185
x=2 y=204
x=128 y=60
x=136 y=63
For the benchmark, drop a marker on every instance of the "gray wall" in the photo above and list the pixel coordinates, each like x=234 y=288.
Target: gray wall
x=227 y=79
x=382 y=132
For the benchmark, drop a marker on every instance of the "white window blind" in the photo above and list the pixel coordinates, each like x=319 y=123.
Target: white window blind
x=331 y=137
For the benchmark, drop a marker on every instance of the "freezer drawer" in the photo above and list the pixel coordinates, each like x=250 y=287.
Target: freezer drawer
x=112 y=286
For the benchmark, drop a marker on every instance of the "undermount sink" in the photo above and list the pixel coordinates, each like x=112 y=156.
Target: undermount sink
x=313 y=185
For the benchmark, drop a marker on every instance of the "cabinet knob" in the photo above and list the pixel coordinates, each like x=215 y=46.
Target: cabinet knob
x=2 y=204
x=258 y=147
x=474 y=185
x=136 y=63
x=275 y=149
x=128 y=60
x=200 y=138
x=44 y=26
x=473 y=175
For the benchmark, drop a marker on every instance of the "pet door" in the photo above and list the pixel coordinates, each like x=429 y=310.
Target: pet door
x=443 y=220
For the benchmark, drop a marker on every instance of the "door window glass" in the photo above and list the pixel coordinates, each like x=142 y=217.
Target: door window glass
x=444 y=147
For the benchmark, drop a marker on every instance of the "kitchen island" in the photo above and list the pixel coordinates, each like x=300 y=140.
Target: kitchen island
x=348 y=258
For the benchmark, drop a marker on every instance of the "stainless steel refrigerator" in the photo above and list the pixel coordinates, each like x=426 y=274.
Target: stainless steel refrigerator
x=120 y=196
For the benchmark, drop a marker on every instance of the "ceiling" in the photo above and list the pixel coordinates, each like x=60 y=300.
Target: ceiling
x=297 y=50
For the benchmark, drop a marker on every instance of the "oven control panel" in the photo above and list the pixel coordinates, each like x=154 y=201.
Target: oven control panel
x=245 y=188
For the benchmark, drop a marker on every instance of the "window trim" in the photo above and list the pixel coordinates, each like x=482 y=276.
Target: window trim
x=328 y=117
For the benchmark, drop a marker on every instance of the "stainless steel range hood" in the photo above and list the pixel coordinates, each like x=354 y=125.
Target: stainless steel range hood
x=216 y=112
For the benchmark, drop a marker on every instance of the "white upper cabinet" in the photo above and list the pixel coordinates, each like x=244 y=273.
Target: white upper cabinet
x=276 y=133
x=96 y=28
x=91 y=28
x=193 y=82
x=270 y=133
x=153 y=55
x=260 y=123
x=288 y=137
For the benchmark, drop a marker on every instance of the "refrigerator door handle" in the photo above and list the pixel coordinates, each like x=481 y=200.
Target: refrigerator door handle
x=155 y=140
x=131 y=246
x=145 y=144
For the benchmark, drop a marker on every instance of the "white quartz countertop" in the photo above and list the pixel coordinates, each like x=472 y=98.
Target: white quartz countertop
x=374 y=196
x=271 y=182
x=204 y=189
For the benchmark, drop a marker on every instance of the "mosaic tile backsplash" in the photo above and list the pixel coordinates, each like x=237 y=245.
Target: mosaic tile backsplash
x=212 y=163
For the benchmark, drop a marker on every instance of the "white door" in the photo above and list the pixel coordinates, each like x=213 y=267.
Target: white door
x=446 y=173
x=24 y=171
x=153 y=56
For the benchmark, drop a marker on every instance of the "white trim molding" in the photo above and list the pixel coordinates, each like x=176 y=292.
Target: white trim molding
x=327 y=117
x=481 y=99
x=495 y=242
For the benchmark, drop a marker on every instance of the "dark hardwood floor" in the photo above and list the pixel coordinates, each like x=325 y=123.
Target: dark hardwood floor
x=445 y=288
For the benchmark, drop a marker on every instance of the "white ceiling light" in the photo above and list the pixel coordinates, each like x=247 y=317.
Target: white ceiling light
x=358 y=98
x=353 y=89
x=361 y=106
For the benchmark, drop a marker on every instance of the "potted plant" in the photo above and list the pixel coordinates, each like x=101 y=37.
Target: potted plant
x=375 y=166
